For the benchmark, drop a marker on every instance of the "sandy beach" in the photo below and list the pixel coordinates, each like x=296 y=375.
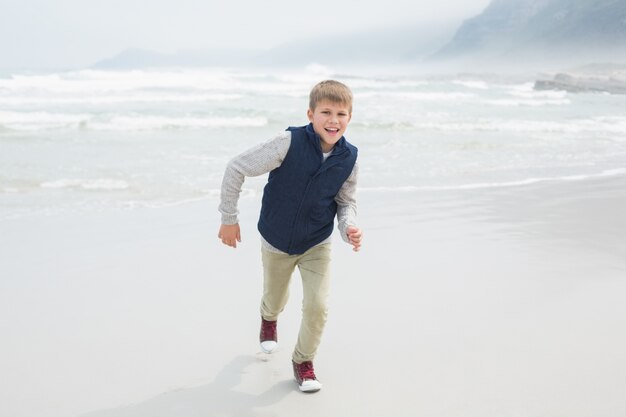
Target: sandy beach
x=488 y=302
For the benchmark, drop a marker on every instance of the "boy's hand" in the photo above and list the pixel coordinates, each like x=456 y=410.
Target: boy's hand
x=354 y=236
x=230 y=234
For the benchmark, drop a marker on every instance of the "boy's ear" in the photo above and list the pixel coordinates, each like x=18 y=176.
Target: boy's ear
x=309 y=114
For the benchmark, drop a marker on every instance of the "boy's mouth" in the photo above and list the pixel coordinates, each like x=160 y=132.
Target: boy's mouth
x=331 y=130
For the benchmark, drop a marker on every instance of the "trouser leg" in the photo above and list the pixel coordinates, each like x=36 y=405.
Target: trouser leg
x=314 y=266
x=277 y=271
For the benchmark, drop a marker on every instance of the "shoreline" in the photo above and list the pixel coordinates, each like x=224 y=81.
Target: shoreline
x=253 y=194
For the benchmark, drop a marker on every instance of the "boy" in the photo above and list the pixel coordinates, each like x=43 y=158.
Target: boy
x=313 y=174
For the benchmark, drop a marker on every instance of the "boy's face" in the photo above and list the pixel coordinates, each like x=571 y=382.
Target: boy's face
x=330 y=121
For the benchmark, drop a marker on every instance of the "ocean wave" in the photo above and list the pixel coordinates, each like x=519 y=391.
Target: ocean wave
x=41 y=121
x=532 y=93
x=104 y=86
x=485 y=185
x=526 y=87
x=117 y=99
x=417 y=96
x=109 y=81
x=475 y=84
x=596 y=125
x=384 y=85
x=37 y=120
x=528 y=102
x=613 y=124
x=104 y=184
x=132 y=123
x=214 y=80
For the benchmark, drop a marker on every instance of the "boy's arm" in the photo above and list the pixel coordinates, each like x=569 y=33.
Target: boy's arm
x=346 y=210
x=251 y=163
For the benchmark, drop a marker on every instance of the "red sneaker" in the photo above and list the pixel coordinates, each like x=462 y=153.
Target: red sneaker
x=305 y=376
x=268 y=336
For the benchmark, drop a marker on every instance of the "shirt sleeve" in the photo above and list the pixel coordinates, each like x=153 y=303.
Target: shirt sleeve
x=346 y=203
x=256 y=161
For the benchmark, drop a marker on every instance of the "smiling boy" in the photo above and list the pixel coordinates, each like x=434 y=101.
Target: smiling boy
x=312 y=178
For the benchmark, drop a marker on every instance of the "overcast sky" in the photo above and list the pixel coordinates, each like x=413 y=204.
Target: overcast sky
x=76 y=33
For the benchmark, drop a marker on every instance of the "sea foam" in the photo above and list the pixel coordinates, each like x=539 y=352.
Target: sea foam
x=87 y=184
x=495 y=184
x=41 y=121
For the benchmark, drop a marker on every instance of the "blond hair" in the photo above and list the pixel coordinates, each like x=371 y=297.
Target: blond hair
x=330 y=90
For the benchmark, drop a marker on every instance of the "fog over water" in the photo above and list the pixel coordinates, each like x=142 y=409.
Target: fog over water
x=75 y=34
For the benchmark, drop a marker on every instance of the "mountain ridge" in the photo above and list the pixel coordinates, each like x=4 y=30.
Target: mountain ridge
x=570 y=31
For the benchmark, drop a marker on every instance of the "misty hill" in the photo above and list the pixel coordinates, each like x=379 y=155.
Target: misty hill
x=568 y=31
x=383 y=46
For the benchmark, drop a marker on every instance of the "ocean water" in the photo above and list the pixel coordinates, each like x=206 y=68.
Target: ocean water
x=101 y=140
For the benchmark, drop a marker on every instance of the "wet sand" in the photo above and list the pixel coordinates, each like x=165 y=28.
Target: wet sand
x=490 y=302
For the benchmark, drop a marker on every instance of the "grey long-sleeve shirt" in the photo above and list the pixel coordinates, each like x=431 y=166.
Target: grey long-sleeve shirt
x=262 y=159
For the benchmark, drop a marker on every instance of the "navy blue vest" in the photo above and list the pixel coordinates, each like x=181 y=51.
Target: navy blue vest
x=299 y=208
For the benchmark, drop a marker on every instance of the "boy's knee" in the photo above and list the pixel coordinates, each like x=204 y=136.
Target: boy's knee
x=315 y=310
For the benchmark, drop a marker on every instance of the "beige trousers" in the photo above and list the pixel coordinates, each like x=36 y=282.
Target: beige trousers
x=314 y=266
